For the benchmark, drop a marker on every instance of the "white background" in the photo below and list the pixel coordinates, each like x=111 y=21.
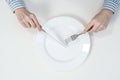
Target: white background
x=19 y=59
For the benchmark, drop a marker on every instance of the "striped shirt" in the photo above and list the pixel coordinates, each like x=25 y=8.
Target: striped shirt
x=15 y=4
x=108 y=4
x=111 y=5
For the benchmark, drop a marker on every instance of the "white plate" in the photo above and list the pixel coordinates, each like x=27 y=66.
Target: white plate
x=56 y=55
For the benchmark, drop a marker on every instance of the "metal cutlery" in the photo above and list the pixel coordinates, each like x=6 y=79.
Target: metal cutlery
x=72 y=38
x=59 y=41
x=75 y=36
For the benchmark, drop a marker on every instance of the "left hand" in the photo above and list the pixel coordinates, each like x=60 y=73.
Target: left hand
x=99 y=22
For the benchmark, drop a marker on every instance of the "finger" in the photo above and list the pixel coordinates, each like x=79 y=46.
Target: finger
x=95 y=27
x=88 y=27
x=23 y=24
x=36 y=22
x=30 y=21
x=27 y=24
x=100 y=28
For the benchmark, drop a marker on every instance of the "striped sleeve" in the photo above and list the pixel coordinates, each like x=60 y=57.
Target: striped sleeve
x=111 y=5
x=15 y=4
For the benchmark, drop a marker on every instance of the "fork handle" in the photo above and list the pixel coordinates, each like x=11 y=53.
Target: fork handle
x=80 y=34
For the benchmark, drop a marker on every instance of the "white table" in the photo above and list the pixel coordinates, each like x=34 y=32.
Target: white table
x=19 y=59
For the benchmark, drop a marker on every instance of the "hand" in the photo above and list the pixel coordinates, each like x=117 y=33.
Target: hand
x=99 y=22
x=27 y=19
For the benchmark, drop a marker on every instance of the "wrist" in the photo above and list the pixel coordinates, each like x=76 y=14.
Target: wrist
x=106 y=12
x=20 y=10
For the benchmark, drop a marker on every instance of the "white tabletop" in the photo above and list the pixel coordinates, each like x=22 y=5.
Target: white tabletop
x=19 y=59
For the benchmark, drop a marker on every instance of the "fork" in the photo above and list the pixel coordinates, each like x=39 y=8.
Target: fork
x=72 y=38
x=75 y=36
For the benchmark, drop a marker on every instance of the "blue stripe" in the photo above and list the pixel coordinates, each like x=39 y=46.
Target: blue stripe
x=108 y=4
x=110 y=8
x=16 y=7
x=15 y=4
x=111 y=5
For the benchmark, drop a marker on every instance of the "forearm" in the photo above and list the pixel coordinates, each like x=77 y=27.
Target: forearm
x=111 y=5
x=15 y=4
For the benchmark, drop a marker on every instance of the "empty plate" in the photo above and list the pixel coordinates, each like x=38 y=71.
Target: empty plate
x=58 y=56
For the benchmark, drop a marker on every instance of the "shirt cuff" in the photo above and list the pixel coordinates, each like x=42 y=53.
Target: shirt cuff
x=111 y=5
x=15 y=4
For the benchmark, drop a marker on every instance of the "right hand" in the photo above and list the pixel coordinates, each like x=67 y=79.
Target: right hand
x=27 y=19
x=99 y=22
